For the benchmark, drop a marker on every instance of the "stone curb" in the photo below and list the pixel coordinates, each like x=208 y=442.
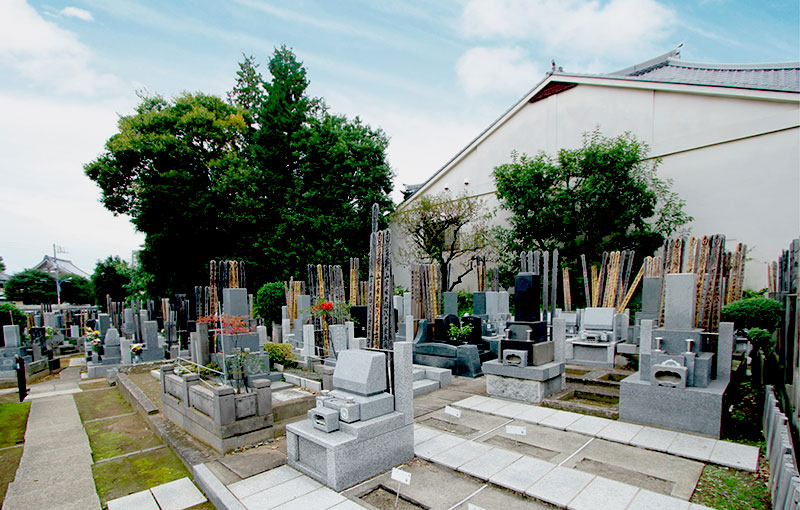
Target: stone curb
x=214 y=489
x=135 y=396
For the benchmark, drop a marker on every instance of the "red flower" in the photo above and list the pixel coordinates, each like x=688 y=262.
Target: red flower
x=327 y=306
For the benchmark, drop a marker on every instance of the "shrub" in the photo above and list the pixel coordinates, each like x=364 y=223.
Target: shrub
x=753 y=313
x=280 y=353
x=269 y=299
x=10 y=314
x=759 y=336
x=464 y=303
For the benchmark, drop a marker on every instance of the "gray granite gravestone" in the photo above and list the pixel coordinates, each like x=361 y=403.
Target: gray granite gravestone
x=234 y=302
x=450 y=300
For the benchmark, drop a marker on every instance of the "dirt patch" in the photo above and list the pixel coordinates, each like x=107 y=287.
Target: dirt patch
x=117 y=436
x=613 y=377
x=120 y=477
x=94 y=385
x=9 y=460
x=14 y=420
x=149 y=385
x=383 y=498
x=623 y=475
x=453 y=428
x=100 y=404
x=591 y=399
x=576 y=372
x=520 y=447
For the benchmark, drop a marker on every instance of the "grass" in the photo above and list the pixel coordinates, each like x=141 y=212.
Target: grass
x=138 y=472
x=100 y=404
x=110 y=438
x=9 y=460
x=731 y=489
x=13 y=422
x=14 y=419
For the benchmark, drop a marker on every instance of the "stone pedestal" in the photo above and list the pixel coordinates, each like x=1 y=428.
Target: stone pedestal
x=526 y=384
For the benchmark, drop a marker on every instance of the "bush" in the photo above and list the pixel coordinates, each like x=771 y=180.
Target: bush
x=31 y=287
x=268 y=302
x=753 y=313
x=464 y=303
x=280 y=353
x=10 y=314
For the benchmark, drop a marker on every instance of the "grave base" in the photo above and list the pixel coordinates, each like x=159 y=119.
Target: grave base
x=526 y=384
x=340 y=460
x=597 y=354
x=94 y=370
x=690 y=409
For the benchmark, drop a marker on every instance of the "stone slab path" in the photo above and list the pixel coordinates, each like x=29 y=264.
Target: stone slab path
x=544 y=481
x=56 y=466
x=701 y=448
x=176 y=495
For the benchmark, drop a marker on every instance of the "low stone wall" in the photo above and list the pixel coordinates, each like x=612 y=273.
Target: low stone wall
x=217 y=416
x=783 y=482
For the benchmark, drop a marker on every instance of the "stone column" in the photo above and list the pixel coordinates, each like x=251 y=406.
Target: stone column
x=646 y=337
x=404 y=381
x=725 y=347
x=224 y=412
x=263 y=396
x=286 y=330
x=308 y=340
x=410 y=328
x=559 y=338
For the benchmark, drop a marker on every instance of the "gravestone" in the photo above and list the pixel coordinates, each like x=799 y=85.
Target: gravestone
x=103 y=323
x=397 y=301
x=502 y=302
x=11 y=336
x=527 y=297
x=125 y=351
x=234 y=302
x=492 y=304
x=450 y=302
x=407 y=303
x=74 y=331
x=478 y=303
x=286 y=331
x=49 y=319
x=338 y=336
x=679 y=307
x=262 y=335
x=128 y=321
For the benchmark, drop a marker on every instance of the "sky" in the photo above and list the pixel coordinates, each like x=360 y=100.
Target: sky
x=432 y=75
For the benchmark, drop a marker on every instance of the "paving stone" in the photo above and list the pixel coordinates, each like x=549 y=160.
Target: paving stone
x=589 y=425
x=490 y=405
x=692 y=447
x=560 y=420
x=493 y=461
x=535 y=414
x=654 y=439
x=436 y=445
x=647 y=500
x=461 y=454
x=281 y=493
x=521 y=474
x=470 y=402
x=559 y=486
x=511 y=410
x=177 y=495
x=422 y=434
x=143 y=500
x=321 y=499
x=263 y=481
x=602 y=494
x=619 y=431
x=739 y=456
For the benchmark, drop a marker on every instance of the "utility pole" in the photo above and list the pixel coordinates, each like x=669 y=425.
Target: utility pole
x=57 y=249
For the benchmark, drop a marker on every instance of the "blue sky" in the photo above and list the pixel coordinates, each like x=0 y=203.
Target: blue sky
x=431 y=74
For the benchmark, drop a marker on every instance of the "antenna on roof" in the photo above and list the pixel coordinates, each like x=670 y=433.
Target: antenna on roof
x=677 y=51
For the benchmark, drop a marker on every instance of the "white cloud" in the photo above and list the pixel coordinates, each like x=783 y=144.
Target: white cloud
x=42 y=52
x=583 y=29
x=482 y=70
x=76 y=12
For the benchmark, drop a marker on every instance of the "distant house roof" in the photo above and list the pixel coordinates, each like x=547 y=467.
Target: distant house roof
x=667 y=69
x=62 y=266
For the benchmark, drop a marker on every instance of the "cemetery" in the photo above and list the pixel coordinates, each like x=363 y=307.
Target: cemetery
x=543 y=330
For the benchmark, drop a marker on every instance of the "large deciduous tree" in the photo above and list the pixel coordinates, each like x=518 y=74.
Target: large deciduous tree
x=110 y=278
x=443 y=229
x=603 y=196
x=269 y=177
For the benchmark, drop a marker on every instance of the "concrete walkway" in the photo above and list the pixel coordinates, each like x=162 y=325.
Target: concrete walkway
x=56 y=466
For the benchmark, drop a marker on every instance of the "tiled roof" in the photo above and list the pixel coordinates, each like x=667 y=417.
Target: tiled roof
x=778 y=77
x=64 y=267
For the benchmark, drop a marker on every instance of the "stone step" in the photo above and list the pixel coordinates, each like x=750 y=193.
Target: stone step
x=425 y=386
x=419 y=374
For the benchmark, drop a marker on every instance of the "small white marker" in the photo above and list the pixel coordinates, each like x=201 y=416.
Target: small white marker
x=516 y=430
x=470 y=506
x=452 y=411
x=401 y=476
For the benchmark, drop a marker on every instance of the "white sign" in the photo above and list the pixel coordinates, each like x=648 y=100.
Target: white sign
x=452 y=411
x=398 y=475
x=470 y=506
x=516 y=430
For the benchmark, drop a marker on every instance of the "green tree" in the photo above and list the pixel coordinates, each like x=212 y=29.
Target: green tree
x=270 y=178
x=76 y=290
x=10 y=314
x=603 y=196
x=109 y=279
x=268 y=302
x=2 y=265
x=167 y=168
x=442 y=229
x=31 y=287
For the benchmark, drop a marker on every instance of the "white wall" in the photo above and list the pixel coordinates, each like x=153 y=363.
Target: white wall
x=735 y=161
